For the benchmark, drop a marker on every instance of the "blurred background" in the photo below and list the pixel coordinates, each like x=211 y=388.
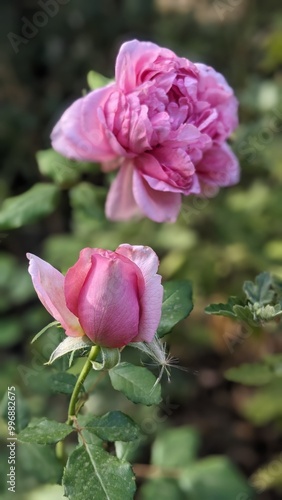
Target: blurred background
x=217 y=243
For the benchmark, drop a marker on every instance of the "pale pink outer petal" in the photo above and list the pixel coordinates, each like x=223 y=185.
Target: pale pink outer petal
x=151 y=301
x=120 y=204
x=80 y=133
x=49 y=286
x=108 y=304
x=159 y=206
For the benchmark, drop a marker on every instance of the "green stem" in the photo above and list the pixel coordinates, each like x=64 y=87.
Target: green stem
x=82 y=376
x=60 y=452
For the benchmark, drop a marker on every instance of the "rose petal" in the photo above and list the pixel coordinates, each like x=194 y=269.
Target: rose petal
x=49 y=286
x=157 y=205
x=151 y=301
x=219 y=167
x=171 y=170
x=80 y=133
x=108 y=303
x=75 y=279
x=214 y=89
x=135 y=57
x=120 y=204
x=144 y=257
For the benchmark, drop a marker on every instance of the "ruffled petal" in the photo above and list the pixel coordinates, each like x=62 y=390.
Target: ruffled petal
x=159 y=206
x=219 y=167
x=214 y=89
x=168 y=170
x=133 y=58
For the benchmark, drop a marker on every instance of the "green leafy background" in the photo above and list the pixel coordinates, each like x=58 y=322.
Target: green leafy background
x=229 y=425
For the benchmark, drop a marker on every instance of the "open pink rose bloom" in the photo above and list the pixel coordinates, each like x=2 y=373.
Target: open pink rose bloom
x=113 y=298
x=163 y=124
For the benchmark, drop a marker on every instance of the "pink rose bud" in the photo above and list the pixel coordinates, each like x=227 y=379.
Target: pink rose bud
x=163 y=123
x=112 y=297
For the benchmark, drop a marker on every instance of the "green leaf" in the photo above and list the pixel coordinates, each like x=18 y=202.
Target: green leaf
x=260 y=290
x=88 y=201
x=260 y=373
x=37 y=202
x=43 y=431
x=265 y=405
x=214 y=478
x=177 y=305
x=223 y=309
x=175 y=447
x=110 y=358
x=250 y=374
x=62 y=382
x=136 y=383
x=164 y=489
x=39 y=463
x=129 y=451
x=268 y=312
x=245 y=314
x=235 y=309
x=53 y=323
x=62 y=171
x=84 y=436
x=69 y=344
x=274 y=361
x=114 y=426
x=91 y=472
x=96 y=80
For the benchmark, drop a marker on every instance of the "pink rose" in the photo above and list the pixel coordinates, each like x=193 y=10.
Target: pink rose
x=163 y=123
x=112 y=297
